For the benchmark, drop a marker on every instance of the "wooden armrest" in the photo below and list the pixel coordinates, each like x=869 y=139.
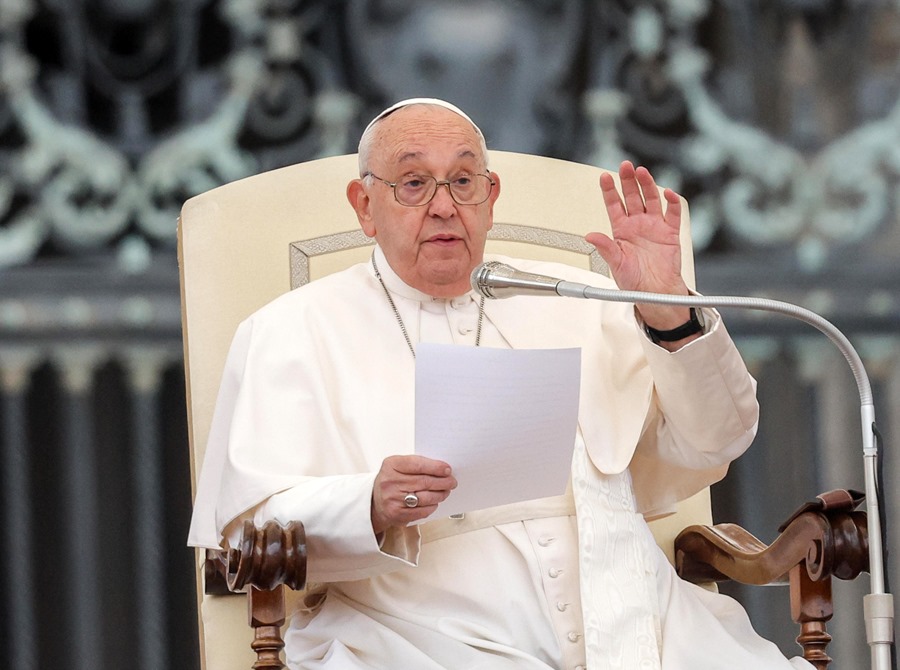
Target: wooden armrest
x=266 y=560
x=830 y=542
x=824 y=538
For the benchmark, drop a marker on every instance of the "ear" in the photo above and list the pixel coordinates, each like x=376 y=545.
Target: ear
x=362 y=205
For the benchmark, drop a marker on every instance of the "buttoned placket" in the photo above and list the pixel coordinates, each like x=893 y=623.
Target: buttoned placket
x=462 y=315
x=551 y=539
x=558 y=566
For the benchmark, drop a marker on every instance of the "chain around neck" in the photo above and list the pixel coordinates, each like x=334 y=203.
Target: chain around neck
x=400 y=319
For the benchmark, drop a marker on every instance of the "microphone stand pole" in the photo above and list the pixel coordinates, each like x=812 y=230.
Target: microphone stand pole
x=878 y=605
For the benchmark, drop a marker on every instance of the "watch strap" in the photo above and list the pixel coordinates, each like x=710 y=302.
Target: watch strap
x=690 y=327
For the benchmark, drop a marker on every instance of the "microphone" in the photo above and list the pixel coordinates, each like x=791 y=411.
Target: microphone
x=493 y=279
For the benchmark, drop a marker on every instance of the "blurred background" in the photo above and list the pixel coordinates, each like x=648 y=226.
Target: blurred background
x=779 y=120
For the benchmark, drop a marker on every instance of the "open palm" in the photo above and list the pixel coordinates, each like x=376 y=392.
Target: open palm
x=644 y=252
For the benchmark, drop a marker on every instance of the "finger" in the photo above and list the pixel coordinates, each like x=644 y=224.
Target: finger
x=673 y=209
x=631 y=191
x=615 y=209
x=418 y=465
x=398 y=513
x=652 y=202
x=394 y=511
x=426 y=498
x=419 y=473
x=426 y=483
x=607 y=248
x=389 y=495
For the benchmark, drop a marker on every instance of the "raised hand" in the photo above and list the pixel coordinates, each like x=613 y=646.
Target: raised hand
x=430 y=481
x=644 y=252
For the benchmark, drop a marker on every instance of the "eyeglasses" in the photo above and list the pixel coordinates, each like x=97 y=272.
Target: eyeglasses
x=417 y=190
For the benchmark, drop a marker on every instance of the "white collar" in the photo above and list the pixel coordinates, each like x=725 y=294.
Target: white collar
x=397 y=286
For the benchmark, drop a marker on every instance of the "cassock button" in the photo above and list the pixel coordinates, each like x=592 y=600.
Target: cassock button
x=546 y=541
x=554 y=573
x=561 y=606
x=573 y=636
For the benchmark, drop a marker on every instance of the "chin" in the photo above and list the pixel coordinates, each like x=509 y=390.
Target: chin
x=446 y=285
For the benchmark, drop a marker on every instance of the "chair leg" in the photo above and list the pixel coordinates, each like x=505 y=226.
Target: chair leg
x=266 y=609
x=811 y=607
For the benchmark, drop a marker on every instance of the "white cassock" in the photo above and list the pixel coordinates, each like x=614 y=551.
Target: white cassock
x=319 y=388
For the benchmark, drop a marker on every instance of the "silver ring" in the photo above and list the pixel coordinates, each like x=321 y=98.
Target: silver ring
x=411 y=500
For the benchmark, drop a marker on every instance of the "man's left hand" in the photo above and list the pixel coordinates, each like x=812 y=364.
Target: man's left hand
x=644 y=252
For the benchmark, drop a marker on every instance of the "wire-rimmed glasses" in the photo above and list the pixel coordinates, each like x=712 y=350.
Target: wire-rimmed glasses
x=417 y=190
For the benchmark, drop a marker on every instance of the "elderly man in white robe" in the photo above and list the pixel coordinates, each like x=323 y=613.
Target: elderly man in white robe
x=314 y=421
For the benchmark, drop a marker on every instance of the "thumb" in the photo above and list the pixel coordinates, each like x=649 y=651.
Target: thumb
x=606 y=247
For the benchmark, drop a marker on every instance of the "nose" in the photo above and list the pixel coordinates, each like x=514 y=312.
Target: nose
x=442 y=204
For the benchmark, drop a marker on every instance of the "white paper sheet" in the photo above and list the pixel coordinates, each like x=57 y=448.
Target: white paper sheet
x=504 y=419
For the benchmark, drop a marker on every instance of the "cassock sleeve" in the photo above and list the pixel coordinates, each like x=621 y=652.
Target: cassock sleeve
x=341 y=545
x=265 y=460
x=703 y=415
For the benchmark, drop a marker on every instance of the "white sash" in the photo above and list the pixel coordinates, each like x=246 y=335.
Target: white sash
x=618 y=582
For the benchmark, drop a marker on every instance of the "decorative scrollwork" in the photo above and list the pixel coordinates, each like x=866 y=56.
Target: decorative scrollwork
x=149 y=111
x=735 y=118
x=158 y=101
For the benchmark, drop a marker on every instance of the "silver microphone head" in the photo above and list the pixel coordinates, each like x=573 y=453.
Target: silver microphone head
x=493 y=279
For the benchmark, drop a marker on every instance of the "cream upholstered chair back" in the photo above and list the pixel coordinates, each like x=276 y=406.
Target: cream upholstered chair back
x=242 y=244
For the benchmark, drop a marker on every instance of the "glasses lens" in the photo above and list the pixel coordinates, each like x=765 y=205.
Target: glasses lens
x=415 y=189
x=471 y=189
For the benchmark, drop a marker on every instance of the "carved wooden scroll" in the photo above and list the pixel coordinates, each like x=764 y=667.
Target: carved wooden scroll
x=824 y=539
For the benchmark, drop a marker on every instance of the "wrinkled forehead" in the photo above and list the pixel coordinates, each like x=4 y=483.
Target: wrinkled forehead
x=414 y=135
x=426 y=125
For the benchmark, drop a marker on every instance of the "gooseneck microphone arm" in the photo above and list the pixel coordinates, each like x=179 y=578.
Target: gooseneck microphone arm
x=498 y=280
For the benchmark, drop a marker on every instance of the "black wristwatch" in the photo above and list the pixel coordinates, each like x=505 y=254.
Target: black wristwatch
x=694 y=325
